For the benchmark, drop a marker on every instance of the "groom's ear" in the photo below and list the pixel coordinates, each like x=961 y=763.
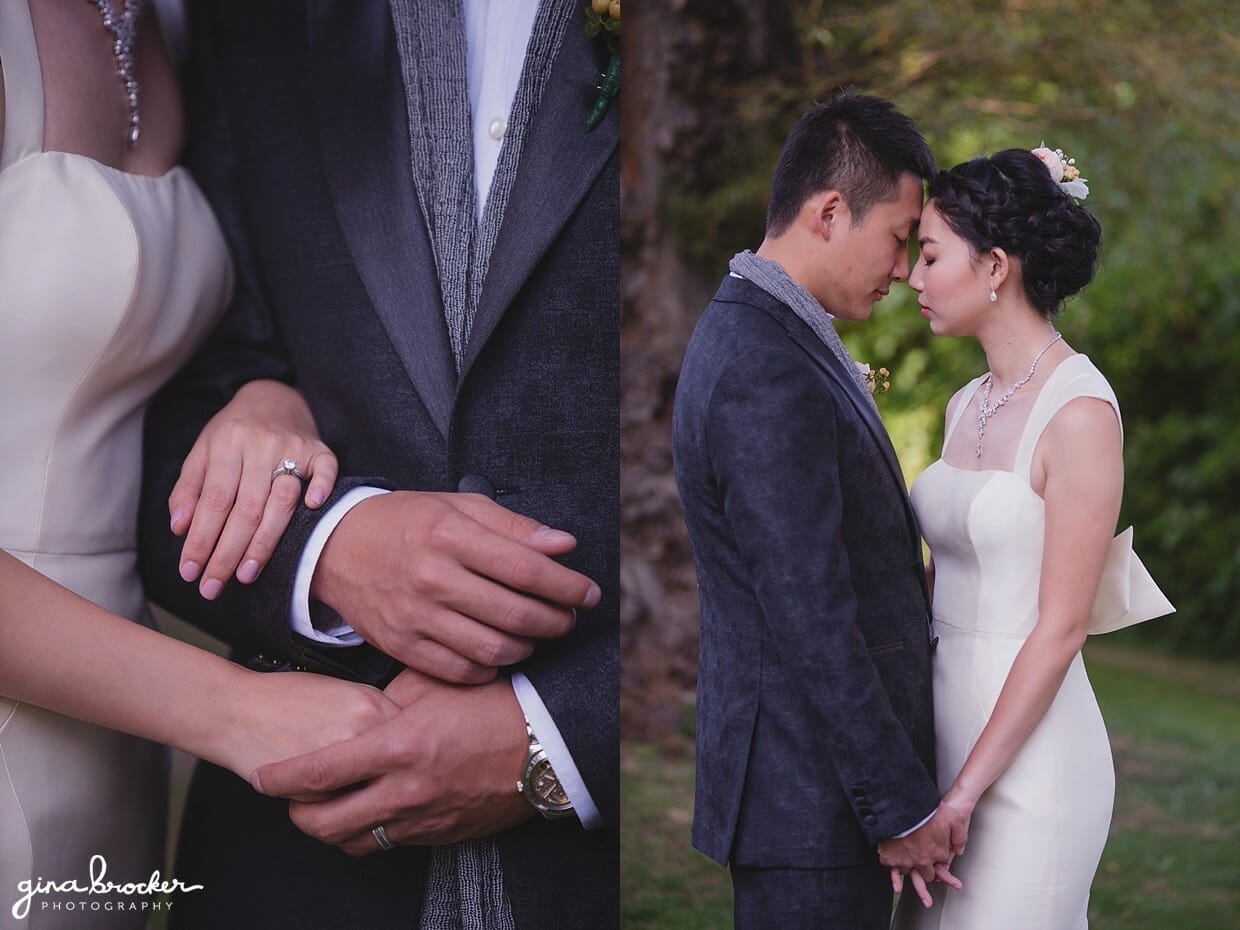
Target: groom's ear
x=824 y=212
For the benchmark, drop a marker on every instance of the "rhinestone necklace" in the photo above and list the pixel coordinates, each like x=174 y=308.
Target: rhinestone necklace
x=123 y=29
x=987 y=410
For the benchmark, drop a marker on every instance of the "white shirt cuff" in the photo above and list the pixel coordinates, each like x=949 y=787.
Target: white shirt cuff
x=929 y=817
x=557 y=752
x=331 y=629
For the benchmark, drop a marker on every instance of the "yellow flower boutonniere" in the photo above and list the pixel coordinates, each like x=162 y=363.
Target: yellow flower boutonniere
x=879 y=382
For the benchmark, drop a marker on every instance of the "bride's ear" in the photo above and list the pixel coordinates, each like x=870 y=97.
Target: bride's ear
x=997 y=265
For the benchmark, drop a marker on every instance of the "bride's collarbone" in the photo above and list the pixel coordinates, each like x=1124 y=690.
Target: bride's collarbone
x=1002 y=435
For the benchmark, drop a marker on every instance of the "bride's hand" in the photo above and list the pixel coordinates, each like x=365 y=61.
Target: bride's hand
x=277 y=715
x=226 y=499
x=961 y=804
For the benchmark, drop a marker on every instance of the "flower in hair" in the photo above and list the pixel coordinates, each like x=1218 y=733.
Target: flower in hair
x=1063 y=171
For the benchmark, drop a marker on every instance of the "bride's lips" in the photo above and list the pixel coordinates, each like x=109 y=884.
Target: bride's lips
x=925 y=311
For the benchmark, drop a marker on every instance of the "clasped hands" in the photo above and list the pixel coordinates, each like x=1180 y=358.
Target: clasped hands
x=452 y=586
x=926 y=854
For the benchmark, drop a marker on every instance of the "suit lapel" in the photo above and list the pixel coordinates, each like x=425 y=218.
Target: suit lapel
x=559 y=163
x=803 y=336
x=358 y=94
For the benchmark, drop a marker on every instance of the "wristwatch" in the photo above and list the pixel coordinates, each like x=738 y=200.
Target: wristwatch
x=539 y=783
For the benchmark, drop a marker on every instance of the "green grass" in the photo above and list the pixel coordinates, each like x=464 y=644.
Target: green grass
x=664 y=882
x=1172 y=859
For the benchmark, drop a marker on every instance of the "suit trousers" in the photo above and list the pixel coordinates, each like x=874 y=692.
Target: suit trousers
x=857 y=898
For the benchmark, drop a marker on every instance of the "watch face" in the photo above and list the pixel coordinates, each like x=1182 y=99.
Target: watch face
x=546 y=786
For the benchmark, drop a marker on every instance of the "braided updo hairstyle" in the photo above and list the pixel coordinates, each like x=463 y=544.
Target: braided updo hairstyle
x=1008 y=201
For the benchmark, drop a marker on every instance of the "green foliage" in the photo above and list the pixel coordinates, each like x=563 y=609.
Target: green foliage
x=1141 y=98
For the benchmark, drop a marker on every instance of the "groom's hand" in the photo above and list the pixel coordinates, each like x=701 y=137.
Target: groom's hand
x=453 y=585
x=926 y=853
x=444 y=769
x=929 y=844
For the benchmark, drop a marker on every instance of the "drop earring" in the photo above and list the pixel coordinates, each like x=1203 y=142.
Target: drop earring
x=993 y=296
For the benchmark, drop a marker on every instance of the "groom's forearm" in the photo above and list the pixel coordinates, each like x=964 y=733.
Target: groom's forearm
x=253 y=619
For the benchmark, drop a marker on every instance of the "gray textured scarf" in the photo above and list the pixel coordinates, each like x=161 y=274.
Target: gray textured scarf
x=465 y=883
x=771 y=277
x=430 y=38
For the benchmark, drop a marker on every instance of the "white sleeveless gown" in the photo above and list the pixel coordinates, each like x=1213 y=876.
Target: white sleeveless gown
x=108 y=281
x=1037 y=834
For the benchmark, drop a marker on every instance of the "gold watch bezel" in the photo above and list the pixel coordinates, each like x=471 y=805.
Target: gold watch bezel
x=539 y=783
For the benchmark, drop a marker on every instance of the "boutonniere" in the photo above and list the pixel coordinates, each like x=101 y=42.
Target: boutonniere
x=603 y=20
x=878 y=382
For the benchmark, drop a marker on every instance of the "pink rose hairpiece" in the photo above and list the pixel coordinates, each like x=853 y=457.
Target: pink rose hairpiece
x=1063 y=171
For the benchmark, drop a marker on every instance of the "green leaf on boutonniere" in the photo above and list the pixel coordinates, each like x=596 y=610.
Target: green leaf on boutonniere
x=603 y=21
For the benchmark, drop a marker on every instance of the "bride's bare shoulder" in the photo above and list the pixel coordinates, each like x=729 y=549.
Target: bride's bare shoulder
x=957 y=399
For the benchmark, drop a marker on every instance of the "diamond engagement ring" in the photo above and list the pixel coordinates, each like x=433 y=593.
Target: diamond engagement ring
x=381 y=838
x=288 y=467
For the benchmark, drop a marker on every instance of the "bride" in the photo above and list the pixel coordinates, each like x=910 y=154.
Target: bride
x=1019 y=514
x=112 y=269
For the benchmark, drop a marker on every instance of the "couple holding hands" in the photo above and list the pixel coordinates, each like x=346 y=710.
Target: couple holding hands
x=849 y=699
x=362 y=351
x=391 y=257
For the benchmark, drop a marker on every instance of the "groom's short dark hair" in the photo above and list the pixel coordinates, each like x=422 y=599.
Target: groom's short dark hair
x=853 y=143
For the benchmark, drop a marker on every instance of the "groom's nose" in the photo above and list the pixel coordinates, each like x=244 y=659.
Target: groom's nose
x=899 y=271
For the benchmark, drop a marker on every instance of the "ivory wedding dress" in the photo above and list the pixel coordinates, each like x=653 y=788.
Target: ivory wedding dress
x=1037 y=834
x=108 y=281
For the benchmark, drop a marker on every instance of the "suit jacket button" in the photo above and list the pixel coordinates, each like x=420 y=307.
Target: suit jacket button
x=871 y=820
x=476 y=484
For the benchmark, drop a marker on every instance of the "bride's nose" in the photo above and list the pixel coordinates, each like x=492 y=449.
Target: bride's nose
x=915 y=280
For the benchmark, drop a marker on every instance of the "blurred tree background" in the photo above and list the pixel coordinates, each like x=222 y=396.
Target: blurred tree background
x=1141 y=94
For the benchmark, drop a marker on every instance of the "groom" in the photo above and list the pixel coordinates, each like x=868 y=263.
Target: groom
x=815 y=739
x=425 y=242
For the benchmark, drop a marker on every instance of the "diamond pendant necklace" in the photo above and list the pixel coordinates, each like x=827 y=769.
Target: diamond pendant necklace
x=986 y=410
x=123 y=29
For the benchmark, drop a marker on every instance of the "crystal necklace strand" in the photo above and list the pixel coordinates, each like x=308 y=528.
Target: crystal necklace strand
x=123 y=28
x=987 y=410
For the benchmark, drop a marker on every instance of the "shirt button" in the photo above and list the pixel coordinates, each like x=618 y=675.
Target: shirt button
x=497 y=127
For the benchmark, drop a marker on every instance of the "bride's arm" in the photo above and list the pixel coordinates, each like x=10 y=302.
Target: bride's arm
x=68 y=655
x=1081 y=455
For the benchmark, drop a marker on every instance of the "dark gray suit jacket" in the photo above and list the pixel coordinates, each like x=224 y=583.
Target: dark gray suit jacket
x=299 y=136
x=815 y=734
